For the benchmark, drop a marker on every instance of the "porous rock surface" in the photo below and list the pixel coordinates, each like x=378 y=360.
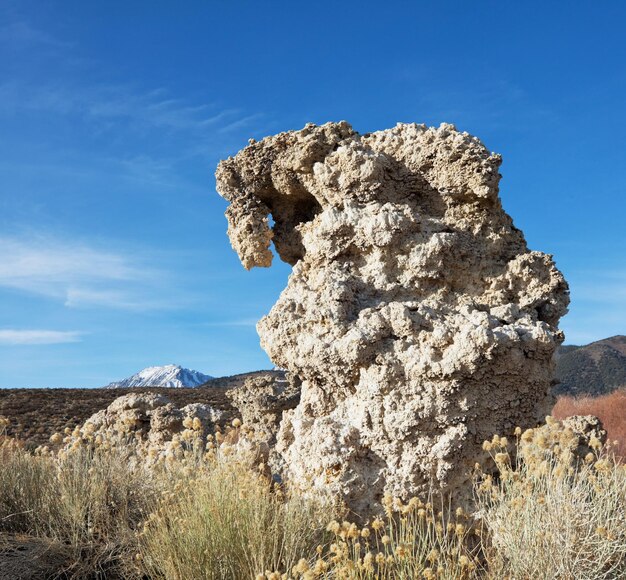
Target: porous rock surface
x=585 y=428
x=261 y=401
x=151 y=423
x=416 y=320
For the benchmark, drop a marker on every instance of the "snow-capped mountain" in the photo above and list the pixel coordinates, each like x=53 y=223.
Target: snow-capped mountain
x=165 y=376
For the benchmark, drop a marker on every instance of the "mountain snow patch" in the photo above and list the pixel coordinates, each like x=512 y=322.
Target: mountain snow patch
x=164 y=376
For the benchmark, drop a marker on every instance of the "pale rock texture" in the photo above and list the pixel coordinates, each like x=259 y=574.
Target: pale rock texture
x=585 y=428
x=152 y=424
x=261 y=401
x=416 y=321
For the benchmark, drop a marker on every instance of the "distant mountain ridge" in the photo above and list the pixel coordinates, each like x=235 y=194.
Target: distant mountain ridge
x=172 y=376
x=594 y=369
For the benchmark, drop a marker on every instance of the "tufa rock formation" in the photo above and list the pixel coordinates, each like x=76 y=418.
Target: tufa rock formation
x=155 y=427
x=262 y=400
x=416 y=321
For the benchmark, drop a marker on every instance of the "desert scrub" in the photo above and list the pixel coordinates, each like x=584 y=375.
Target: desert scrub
x=226 y=521
x=551 y=513
x=86 y=498
x=549 y=505
x=412 y=540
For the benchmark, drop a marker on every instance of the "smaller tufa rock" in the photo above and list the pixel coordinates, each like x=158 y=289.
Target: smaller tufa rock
x=261 y=401
x=168 y=420
x=586 y=428
x=150 y=422
x=576 y=436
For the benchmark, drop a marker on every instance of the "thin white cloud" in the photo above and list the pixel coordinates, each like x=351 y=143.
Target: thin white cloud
x=90 y=298
x=193 y=126
x=240 y=123
x=112 y=104
x=24 y=337
x=20 y=34
x=78 y=274
x=44 y=265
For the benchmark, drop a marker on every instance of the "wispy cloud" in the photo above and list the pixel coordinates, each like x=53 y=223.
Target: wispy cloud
x=19 y=337
x=19 y=34
x=108 y=105
x=78 y=274
x=234 y=125
x=491 y=102
x=151 y=137
x=146 y=135
x=118 y=299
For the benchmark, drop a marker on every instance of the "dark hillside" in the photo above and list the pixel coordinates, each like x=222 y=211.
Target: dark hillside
x=596 y=369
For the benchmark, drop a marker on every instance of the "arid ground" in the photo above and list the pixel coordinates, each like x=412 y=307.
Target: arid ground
x=35 y=414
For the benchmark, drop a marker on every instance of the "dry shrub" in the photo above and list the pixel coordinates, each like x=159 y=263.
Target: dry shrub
x=225 y=521
x=205 y=513
x=217 y=518
x=89 y=500
x=551 y=514
x=610 y=409
x=412 y=540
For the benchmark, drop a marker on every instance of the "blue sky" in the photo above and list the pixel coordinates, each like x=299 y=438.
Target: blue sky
x=113 y=116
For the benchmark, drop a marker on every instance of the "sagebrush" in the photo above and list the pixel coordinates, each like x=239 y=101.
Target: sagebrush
x=541 y=511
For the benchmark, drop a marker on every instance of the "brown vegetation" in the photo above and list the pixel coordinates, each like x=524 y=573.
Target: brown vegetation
x=611 y=409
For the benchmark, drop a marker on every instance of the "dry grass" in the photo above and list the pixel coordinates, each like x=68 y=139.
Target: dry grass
x=542 y=513
x=89 y=501
x=201 y=515
x=227 y=522
x=551 y=514
x=411 y=540
x=611 y=409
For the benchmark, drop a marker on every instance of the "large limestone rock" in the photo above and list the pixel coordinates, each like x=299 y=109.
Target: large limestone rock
x=416 y=320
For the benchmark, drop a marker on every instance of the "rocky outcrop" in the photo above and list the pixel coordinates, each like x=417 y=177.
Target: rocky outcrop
x=572 y=441
x=416 y=320
x=261 y=401
x=588 y=434
x=154 y=426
